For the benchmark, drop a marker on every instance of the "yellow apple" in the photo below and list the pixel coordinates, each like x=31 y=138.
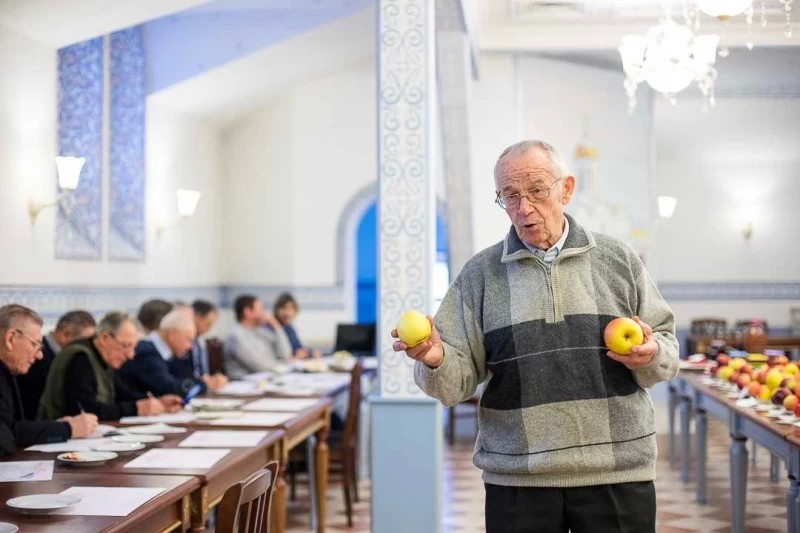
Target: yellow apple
x=622 y=334
x=725 y=373
x=774 y=379
x=737 y=363
x=791 y=369
x=413 y=328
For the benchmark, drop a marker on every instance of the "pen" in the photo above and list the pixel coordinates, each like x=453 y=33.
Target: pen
x=150 y=395
x=81 y=408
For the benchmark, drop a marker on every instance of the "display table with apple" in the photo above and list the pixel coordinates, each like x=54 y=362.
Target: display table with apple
x=695 y=394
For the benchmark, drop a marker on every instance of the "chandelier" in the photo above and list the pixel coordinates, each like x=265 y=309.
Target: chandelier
x=724 y=10
x=669 y=57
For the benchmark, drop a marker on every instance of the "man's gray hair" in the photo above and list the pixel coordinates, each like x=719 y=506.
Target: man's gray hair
x=180 y=318
x=12 y=315
x=113 y=321
x=557 y=161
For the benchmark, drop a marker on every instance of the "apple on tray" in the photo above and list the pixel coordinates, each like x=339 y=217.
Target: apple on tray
x=622 y=334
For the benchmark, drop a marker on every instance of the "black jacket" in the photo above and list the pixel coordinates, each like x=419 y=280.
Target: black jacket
x=31 y=385
x=14 y=430
x=149 y=372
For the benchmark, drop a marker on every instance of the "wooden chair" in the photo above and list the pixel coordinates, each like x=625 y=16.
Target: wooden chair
x=342 y=448
x=245 y=506
x=452 y=415
x=215 y=361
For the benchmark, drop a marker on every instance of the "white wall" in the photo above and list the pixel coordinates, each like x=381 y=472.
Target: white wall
x=532 y=98
x=180 y=153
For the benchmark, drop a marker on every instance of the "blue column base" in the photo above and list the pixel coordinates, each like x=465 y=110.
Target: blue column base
x=406 y=465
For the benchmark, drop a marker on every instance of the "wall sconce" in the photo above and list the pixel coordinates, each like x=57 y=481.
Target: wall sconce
x=666 y=206
x=747 y=229
x=187 y=204
x=69 y=174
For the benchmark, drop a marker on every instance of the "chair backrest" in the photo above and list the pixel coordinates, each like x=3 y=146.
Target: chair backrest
x=350 y=436
x=215 y=361
x=245 y=505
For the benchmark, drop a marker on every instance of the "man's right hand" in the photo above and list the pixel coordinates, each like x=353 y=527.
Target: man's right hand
x=81 y=425
x=149 y=406
x=429 y=352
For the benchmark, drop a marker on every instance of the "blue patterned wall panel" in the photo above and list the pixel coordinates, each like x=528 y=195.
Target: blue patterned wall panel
x=126 y=238
x=80 y=133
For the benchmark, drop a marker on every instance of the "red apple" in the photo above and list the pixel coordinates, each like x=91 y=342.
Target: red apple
x=754 y=387
x=723 y=359
x=622 y=334
x=779 y=395
x=797 y=409
x=761 y=376
x=743 y=380
x=734 y=378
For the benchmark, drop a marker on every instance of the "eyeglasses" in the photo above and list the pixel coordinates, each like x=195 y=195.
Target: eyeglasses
x=537 y=194
x=36 y=344
x=125 y=346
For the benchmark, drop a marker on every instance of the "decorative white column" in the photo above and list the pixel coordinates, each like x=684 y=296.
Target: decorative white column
x=406 y=197
x=406 y=425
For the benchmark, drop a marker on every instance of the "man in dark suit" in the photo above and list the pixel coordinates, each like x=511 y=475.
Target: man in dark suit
x=20 y=346
x=148 y=371
x=195 y=364
x=70 y=327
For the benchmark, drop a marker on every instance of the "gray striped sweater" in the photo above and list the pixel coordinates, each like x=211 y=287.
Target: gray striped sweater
x=556 y=411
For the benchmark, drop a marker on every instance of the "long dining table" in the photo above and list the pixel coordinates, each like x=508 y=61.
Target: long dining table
x=694 y=393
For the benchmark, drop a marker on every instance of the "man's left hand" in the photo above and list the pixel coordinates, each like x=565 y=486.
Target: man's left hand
x=640 y=355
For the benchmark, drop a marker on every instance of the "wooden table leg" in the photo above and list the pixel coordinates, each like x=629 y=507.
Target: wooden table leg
x=278 y=509
x=322 y=472
x=199 y=504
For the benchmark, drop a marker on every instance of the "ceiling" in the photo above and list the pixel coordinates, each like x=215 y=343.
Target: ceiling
x=62 y=22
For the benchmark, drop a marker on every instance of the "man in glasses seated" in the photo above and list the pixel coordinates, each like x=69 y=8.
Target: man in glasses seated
x=84 y=376
x=21 y=334
x=70 y=327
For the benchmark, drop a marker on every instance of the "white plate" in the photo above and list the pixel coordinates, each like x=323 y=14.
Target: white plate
x=203 y=404
x=5 y=527
x=119 y=447
x=142 y=437
x=86 y=458
x=42 y=503
x=155 y=429
x=763 y=407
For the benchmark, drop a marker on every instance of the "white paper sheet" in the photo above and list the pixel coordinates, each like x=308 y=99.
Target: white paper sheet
x=26 y=471
x=72 y=445
x=223 y=438
x=290 y=405
x=154 y=429
x=289 y=391
x=254 y=419
x=182 y=417
x=108 y=501
x=259 y=376
x=175 y=458
x=240 y=388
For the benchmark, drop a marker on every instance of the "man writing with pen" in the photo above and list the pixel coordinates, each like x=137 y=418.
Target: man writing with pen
x=85 y=377
x=149 y=370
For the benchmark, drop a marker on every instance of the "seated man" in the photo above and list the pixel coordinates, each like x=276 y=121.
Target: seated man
x=149 y=370
x=195 y=364
x=151 y=312
x=21 y=334
x=84 y=376
x=251 y=347
x=70 y=327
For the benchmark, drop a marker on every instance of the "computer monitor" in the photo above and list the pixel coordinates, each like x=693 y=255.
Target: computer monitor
x=356 y=338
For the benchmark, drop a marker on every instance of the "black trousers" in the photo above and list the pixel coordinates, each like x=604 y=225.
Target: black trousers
x=617 y=508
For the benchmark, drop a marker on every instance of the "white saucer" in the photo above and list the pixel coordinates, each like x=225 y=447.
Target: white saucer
x=5 y=527
x=142 y=437
x=86 y=458
x=119 y=447
x=42 y=503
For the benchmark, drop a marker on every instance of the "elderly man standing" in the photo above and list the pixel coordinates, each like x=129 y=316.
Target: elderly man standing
x=84 y=376
x=21 y=335
x=71 y=326
x=251 y=347
x=567 y=434
x=149 y=369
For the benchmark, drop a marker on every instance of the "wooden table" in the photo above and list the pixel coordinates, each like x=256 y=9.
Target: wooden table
x=212 y=483
x=166 y=512
x=743 y=424
x=310 y=423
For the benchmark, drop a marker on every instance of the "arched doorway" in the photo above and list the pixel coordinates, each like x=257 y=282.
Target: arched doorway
x=366 y=263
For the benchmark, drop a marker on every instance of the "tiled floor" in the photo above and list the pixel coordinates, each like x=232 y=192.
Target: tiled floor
x=677 y=512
